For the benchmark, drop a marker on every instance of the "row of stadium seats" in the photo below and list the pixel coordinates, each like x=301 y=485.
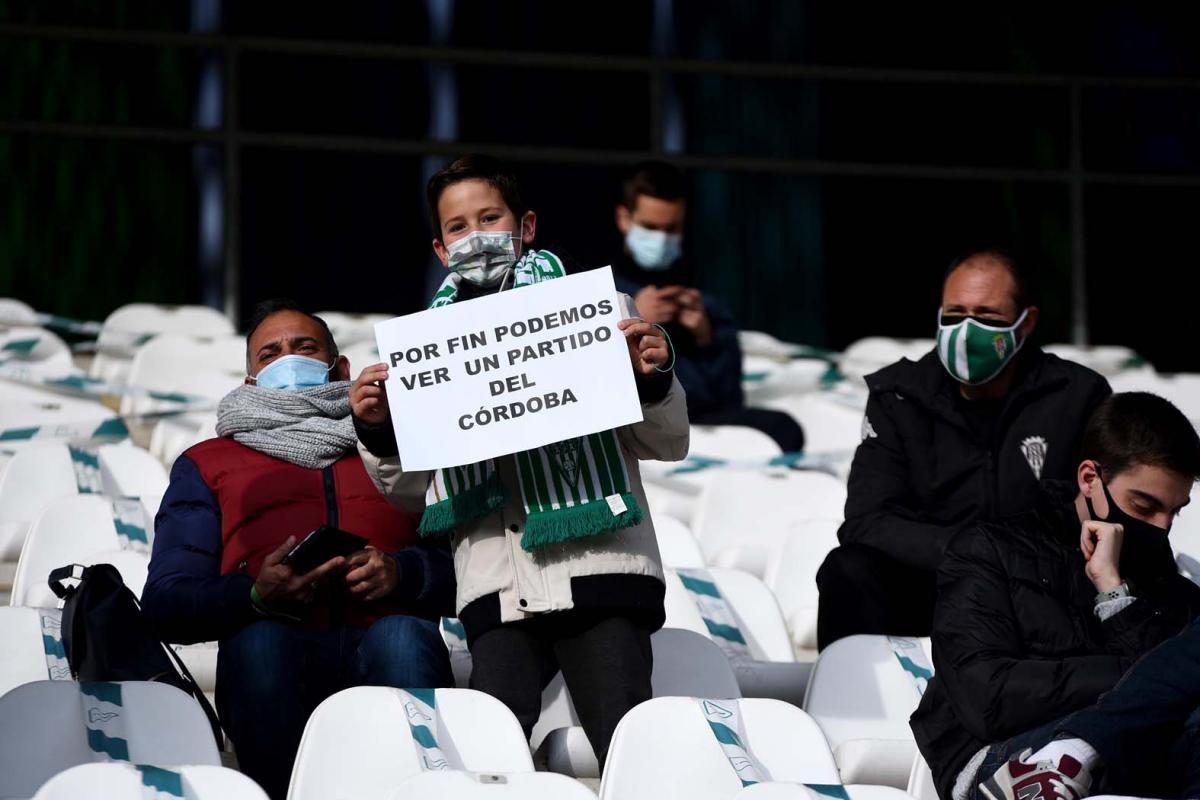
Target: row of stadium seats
x=741 y=526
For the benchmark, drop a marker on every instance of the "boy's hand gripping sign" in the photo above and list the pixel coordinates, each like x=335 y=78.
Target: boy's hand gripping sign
x=509 y=372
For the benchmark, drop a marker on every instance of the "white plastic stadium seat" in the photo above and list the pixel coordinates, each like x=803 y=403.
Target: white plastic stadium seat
x=176 y=364
x=446 y=785
x=16 y=312
x=731 y=442
x=792 y=576
x=862 y=698
x=832 y=422
x=920 y=780
x=676 y=544
x=127 y=782
x=32 y=479
x=367 y=727
x=795 y=791
x=74 y=530
x=686 y=664
x=745 y=514
x=129 y=471
x=40 y=351
x=132 y=325
x=349 y=329
x=665 y=750
x=756 y=609
x=44 y=729
x=24 y=659
x=37 y=477
x=771 y=670
x=876 y=352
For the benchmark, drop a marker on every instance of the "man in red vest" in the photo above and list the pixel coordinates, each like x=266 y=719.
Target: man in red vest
x=284 y=463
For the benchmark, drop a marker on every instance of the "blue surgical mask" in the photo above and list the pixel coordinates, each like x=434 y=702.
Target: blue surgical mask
x=653 y=250
x=292 y=373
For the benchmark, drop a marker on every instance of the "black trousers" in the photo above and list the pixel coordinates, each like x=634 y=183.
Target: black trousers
x=864 y=590
x=605 y=660
x=780 y=426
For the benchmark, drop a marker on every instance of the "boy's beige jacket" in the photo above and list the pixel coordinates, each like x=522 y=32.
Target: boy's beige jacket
x=487 y=551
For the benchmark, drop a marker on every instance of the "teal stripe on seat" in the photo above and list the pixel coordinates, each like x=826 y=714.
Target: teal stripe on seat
x=426 y=696
x=163 y=780
x=424 y=736
x=727 y=632
x=697 y=586
x=116 y=749
x=53 y=647
x=18 y=433
x=105 y=692
x=725 y=734
x=833 y=790
x=135 y=533
x=111 y=427
x=913 y=668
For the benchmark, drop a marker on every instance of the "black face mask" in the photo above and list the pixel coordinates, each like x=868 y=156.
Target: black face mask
x=1143 y=545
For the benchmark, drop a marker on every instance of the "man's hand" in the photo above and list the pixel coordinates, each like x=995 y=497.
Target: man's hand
x=694 y=317
x=657 y=305
x=373 y=574
x=368 y=395
x=647 y=346
x=279 y=585
x=1101 y=546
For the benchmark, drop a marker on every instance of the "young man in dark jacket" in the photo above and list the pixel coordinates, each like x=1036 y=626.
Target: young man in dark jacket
x=653 y=270
x=1040 y=614
x=285 y=462
x=963 y=435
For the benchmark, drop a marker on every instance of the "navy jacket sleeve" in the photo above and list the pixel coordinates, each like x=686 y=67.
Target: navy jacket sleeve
x=712 y=375
x=882 y=510
x=186 y=598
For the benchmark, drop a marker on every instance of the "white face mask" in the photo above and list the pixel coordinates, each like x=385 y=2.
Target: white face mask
x=483 y=258
x=653 y=250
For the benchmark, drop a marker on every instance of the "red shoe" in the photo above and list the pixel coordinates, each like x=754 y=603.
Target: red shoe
x=1019 y=780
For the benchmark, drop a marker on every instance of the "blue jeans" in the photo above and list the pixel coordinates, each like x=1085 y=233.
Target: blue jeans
x=271 y=676
x=1146 y=729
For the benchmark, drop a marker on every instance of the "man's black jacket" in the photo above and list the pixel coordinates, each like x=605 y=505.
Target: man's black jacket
x=1016 y=642
x=923 y=474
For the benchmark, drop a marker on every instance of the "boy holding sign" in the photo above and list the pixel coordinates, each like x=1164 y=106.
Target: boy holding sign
x=554 y=549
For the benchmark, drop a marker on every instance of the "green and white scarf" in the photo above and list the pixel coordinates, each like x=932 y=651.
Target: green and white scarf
x=571 y=490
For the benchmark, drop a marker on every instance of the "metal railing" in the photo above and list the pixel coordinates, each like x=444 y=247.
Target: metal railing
x=231 y=138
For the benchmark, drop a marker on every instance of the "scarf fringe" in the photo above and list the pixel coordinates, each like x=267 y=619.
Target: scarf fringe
x=478 y=501
x=578 y=522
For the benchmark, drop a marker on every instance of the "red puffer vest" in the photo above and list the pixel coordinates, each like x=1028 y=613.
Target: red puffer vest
x=264 y=500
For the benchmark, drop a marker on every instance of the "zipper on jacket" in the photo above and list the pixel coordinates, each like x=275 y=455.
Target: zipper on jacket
x=331 y=509
x=510 y=538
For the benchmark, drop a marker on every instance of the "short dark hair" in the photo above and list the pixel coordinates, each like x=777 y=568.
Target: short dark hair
x=479 y=168
x=273 y=306
x=1023 y=289
x=1135 y=428
x=656 y=179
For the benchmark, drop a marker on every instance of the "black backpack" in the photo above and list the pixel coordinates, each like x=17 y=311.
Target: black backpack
x=107 y=638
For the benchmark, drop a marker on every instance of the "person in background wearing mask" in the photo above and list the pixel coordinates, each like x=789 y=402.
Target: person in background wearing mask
x=285 y=463
x=654 y=271
x=961 y=436
x=542 y=586
x=1040 y=614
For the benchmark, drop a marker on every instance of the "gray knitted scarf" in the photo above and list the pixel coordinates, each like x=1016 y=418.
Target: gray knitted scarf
x=310 y=428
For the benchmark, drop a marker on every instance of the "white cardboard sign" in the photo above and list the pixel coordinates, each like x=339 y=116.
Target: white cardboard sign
x=509 y=372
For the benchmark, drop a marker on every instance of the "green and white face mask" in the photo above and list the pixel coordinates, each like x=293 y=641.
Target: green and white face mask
x=974 y=352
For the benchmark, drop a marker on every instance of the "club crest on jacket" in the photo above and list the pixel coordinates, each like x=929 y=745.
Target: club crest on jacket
x=1034 y=450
